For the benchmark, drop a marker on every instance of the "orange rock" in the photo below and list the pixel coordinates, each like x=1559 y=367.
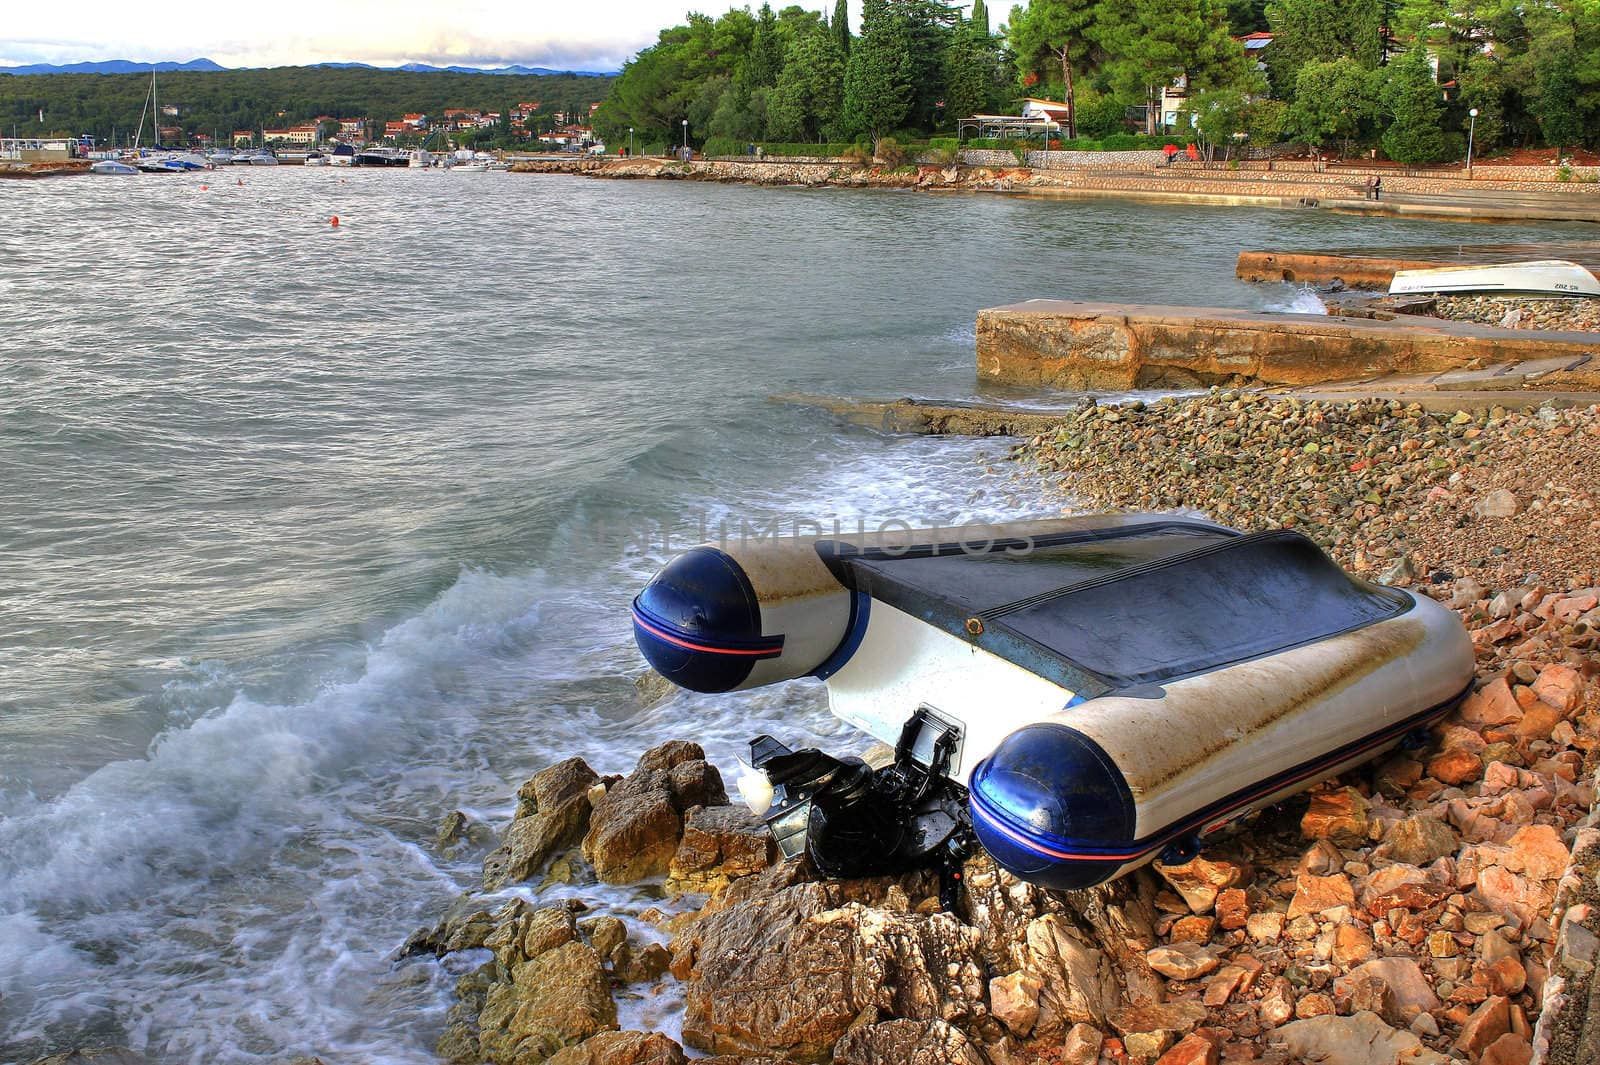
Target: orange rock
x=1540 y=720
x=1082 y=1046
x=1351 y=945
x=1315 y=1004
x=1492 y=704
x=1221 y=987
x=1193 y=929
x=1200 y=879
x=1411 y=929
x=1509 y=1049
x=1313 y=894
x=1488 y=1023
x=1455 y=767
x=1232 y=908
x=1399 y=885
x=1538 y=851
x=1192 y=1049
x=1339 y=815
x=1505 y=976
x=1560 y=686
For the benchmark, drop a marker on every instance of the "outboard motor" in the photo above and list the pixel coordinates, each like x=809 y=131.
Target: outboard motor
x=852 y=820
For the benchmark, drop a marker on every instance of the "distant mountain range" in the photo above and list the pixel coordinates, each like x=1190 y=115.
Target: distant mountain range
x=124 y=66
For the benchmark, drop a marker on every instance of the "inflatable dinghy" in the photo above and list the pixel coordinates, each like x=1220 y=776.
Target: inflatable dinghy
x=1079 y=696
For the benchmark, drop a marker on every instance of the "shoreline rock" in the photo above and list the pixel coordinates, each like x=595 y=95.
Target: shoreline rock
x=1412 y=911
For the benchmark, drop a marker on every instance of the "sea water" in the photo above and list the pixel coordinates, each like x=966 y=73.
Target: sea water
x=310 y=534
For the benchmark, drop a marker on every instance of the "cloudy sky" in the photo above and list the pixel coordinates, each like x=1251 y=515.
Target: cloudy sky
x=572 y=34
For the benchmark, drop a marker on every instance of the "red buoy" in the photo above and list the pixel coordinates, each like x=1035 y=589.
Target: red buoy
x=334 y=221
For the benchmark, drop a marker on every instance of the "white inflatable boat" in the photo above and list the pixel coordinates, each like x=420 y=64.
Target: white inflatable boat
x=1080 y=696
x=1552 y=277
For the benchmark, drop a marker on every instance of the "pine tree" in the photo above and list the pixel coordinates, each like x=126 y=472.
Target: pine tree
x=877 y=78
x=1054 y=29
x=966 y=83
x=1556 y=107
x=805 y=105
x=980 y=17
x=1414 y=134
x=765 y=60
x=841 y=26
x=1154 y=43
x=1315 y=31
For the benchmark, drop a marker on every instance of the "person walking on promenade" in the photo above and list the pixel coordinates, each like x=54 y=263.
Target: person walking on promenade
x=1370 y=180
x=1377 y=188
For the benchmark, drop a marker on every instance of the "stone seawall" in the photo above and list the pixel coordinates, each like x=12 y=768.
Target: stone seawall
x=1112 y=347
x=1150 y=184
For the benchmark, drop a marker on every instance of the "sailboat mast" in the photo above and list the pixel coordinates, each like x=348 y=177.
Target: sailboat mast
x=140 y=131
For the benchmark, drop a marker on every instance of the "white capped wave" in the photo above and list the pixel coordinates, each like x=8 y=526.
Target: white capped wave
x=1298 y=301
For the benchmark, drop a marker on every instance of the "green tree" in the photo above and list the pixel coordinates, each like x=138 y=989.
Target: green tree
x=1483 y=86
x=967 y=80
x=1053 y=30
x=805 y=105
x=1246 y=16
x=1415 y=134
x=1156 y=43
x=841 y=26
x=1315 y=31
x=764 y=62
x=980 y=17
x=877 y=78
x=1334 y=100
x=1100 y=114
x=1561 y=119
x=1223 y=117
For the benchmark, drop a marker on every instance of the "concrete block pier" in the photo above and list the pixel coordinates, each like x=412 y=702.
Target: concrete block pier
x=1077 y=346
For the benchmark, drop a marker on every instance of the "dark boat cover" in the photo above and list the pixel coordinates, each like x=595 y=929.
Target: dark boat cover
x=1116 y=608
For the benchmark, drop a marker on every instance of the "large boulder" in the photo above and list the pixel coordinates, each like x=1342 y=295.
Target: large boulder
x=622 y=1048
x=545 y=990
x=719 y=845
x=551 y=1001
x=1359 y=1039
x=636 y=827
x=1000 y=907
x=789 y=969
x=552 y=815
x=903 y=1042
x=1078 y=981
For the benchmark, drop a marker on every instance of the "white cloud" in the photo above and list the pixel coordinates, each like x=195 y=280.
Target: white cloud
x=589 y=35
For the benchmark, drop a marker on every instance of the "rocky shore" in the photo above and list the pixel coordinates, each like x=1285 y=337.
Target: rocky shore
x=1409 y=912
x=1421 y=910
x=1523 y=197
x=1509 y=312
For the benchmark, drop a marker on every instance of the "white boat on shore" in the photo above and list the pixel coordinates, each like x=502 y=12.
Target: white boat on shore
x=112 y=166
x=1027 y=674
x=1551 y=277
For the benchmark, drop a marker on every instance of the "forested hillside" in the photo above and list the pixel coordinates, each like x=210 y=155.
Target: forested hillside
x=1398 y=76
x=223 y=101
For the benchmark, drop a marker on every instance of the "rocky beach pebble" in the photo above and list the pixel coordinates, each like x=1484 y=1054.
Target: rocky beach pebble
x=1416 y=911
x=1516 y=312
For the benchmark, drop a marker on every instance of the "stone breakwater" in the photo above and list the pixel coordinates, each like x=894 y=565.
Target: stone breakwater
x=1253 y=188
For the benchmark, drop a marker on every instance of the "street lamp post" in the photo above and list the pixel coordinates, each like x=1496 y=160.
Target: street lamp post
x=1472 y=126
x=686 y=140
x=630 y=142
